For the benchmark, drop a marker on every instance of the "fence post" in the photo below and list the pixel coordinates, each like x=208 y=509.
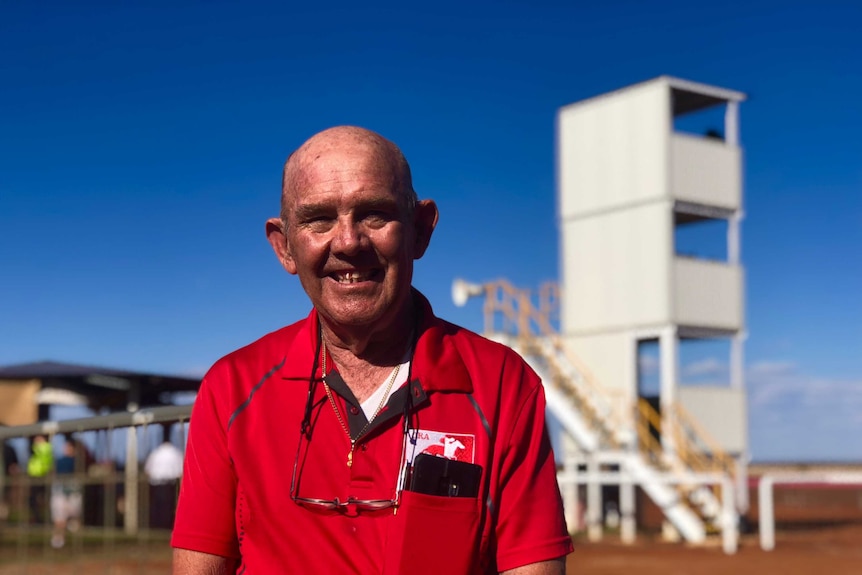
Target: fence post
x=130 y=518
x=766 y=513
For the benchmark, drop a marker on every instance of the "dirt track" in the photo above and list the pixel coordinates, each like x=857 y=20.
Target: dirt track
x=832 y=551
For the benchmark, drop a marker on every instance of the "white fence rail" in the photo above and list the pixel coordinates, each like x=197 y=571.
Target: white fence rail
x=125 y=517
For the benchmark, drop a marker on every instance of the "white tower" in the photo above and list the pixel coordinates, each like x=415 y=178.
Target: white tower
x=627 y=180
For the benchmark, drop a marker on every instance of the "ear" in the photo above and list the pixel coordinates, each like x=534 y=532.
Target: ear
x=424 y=221
x=278 y=240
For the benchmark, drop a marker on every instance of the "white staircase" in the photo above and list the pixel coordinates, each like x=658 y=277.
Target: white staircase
x=568 y=387
x=675 y=479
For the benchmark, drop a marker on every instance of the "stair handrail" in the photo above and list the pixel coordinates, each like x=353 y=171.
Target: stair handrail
x=645 y=418
x=531 y=323
x=686 y=427
x=686 y=446
x=532 y=327
x=680 y=461
x=528 y=322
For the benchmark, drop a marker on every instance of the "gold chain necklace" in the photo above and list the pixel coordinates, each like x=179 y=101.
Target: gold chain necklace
x=367 y=423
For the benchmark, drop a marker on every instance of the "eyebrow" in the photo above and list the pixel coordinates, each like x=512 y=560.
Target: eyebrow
x=306 y=210
x=312 y=209
x=379 y=203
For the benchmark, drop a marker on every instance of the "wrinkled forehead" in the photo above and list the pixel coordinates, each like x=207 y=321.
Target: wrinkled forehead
x=356 y=159
x=342 y=156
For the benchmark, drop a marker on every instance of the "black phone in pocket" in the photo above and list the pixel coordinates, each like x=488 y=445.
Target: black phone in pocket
x=434 y=475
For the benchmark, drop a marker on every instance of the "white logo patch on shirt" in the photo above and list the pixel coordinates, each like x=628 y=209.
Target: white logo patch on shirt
x=457 y=446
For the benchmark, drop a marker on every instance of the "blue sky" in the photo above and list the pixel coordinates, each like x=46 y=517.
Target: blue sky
x=141 y=149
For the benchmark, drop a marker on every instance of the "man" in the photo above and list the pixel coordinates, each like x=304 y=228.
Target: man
x=305 y=447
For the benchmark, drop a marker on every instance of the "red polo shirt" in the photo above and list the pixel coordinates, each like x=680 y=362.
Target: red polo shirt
x=468 y=399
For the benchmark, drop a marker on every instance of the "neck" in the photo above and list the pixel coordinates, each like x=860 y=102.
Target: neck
x=381 y=347
x=364 y=363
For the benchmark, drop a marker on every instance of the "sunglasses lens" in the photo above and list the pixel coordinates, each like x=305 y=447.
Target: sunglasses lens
x=359 y=504
x=374 y=505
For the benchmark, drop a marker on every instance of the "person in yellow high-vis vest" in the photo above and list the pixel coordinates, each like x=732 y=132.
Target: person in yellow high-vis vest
x=38 y=467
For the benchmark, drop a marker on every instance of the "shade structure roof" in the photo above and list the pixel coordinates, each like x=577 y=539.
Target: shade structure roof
x=114 y=389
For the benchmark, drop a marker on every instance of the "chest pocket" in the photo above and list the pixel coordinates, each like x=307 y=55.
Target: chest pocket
x=432 y=534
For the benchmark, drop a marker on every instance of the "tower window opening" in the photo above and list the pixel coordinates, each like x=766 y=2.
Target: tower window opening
x=708 y=123
x=700 y=238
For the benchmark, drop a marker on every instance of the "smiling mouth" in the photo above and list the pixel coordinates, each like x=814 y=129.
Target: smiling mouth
x=352 y=277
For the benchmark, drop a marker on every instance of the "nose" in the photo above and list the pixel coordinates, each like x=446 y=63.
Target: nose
x=349 y=237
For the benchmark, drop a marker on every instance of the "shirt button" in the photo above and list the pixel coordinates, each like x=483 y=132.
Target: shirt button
x=364 y=447
x=354 y=410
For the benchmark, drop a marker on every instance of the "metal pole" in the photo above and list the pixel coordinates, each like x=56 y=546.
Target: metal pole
x=571 y=507
x=627 y=507
x=731 y=123
x=669 y=366
x=729 y=517
x=594 y=502
x=766 y=512
x=130 y=519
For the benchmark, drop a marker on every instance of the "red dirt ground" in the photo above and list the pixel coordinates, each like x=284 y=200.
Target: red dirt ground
x=825 y=551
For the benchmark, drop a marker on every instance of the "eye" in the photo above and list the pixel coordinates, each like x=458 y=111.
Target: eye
x=317 y=222
x=378 y=217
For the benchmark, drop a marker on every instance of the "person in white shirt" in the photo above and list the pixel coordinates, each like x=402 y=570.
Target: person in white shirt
x=164 y=468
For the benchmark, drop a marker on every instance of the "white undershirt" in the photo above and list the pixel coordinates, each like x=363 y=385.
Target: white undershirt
x=369 y=406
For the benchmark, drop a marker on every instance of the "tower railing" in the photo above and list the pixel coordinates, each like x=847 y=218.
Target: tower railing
x=512 y=311
x=533 y=327
x=697 y=448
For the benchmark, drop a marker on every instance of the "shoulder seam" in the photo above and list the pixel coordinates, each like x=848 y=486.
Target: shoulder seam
x=245 y=404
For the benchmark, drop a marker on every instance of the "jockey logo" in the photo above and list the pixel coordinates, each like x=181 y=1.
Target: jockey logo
x=457 y=446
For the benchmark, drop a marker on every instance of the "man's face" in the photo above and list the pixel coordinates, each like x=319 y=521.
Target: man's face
x=348 y=237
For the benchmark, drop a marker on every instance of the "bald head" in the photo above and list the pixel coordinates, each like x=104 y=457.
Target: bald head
x=384 y=154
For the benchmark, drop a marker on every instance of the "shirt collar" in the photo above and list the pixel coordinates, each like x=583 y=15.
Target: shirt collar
x=436 y=362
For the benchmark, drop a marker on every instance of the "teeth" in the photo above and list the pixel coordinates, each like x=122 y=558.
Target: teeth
x=350 y=277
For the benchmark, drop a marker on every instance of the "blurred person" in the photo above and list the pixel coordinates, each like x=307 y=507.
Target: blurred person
x=371 y=436
x=67 y=491
x=39 y=465
x=10 y=460
x=11 y=471
x=164 y=468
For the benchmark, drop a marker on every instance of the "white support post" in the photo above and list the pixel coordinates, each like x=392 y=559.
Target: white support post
x=630 y=395
x=737 y=361
x=729 y=517
x=669 y=354
x=766 y=512
x=734 y=239
x=130 y=518
x=571 y=505
x=731 y=123
x=737 y=381
x=594 y=501
x=628 y=527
